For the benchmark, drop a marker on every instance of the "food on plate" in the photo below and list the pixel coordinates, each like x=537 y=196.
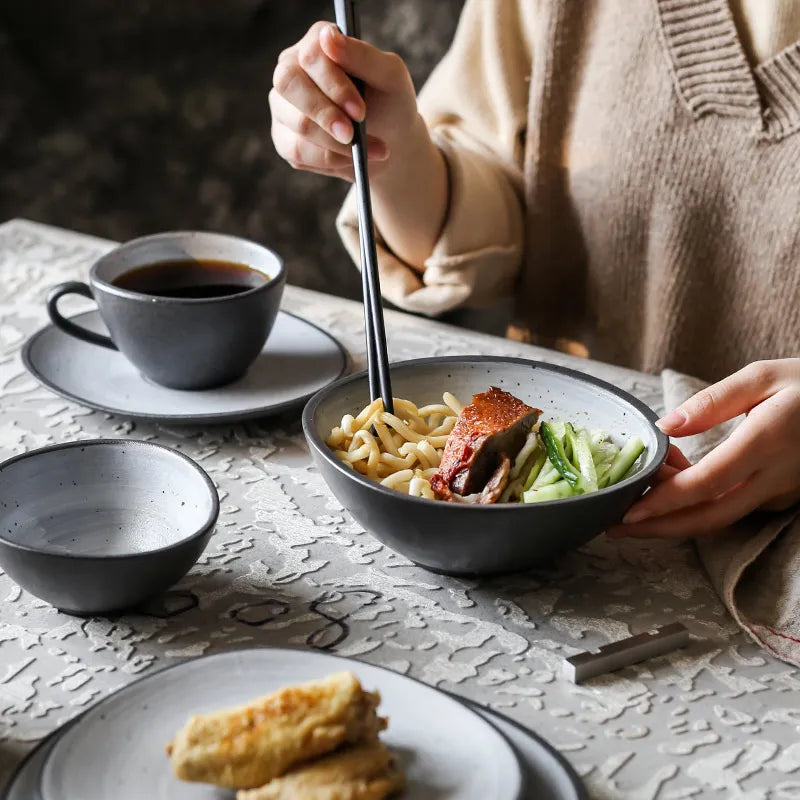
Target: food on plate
x=366 y=771
x=491 y=451
x=248 y=746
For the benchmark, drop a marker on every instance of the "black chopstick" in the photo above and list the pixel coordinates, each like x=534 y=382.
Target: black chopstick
x=372 y=356
x=380 y=383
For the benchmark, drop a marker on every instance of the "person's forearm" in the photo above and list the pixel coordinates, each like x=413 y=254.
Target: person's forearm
x=410 y=198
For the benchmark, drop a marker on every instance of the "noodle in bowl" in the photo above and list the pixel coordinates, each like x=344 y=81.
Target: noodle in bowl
x=405 y=450
x=378 y=466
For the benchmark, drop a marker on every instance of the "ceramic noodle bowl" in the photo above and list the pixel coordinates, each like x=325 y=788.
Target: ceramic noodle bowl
x=103 y=525
x=459 y=538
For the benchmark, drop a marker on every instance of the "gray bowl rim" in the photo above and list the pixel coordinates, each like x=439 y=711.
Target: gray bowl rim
x=316 y=441
x=129 y=294
x=215 y=418
x=581 y=792
x=210 y=522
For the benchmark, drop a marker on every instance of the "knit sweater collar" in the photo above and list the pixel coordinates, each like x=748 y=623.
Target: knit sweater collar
x=713 y=75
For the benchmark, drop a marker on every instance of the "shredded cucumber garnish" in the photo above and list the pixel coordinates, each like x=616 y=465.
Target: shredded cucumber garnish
x=624 y=461
x=574 y=461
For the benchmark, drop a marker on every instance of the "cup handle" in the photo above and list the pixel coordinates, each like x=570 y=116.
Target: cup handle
x=78 y=331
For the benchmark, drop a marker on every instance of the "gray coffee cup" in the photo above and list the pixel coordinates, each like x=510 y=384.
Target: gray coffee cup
x=179 y=342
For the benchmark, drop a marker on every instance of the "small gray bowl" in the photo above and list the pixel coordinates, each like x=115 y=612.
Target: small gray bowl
x=461 y=539
x=99 y=526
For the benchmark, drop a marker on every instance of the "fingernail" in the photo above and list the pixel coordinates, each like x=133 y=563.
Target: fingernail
x=354 y=110
x=674 y=420
x=636 y=515
x=342 y=132
x=334 y=32
x=378 y=152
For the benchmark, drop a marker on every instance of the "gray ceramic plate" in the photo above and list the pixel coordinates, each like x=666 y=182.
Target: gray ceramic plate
x=298 y=360
x=547 y=774
x=117 y=748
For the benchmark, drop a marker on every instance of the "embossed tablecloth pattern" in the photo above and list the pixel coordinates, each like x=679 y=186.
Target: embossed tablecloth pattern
x=287 y=565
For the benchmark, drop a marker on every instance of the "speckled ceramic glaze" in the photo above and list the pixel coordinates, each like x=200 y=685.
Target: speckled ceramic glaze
x=297 y=360
x=102 y=525
x=471 y=539
x=447 y=750
x=547 y=775
x=182 y=343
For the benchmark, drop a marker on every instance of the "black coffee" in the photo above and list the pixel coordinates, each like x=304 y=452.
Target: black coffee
x=203 y=278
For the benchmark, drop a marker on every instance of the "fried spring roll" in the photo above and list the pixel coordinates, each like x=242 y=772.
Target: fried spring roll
x=248 y=746
x=365 y=771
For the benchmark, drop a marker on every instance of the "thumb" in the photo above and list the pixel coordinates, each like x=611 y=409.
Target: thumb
x=381 y=70
x=737 y=394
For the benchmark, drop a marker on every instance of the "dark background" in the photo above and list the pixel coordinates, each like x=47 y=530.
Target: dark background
x=122 y=119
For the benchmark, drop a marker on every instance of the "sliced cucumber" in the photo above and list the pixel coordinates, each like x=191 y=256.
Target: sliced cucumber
x=633 y=448
x=555 y=491
x=547 y=476
x=556 y=452
x=582 y=459
x=536 y=470
x=604 y=453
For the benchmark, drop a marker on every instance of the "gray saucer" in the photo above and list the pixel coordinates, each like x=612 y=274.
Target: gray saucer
x=298 y=360
x=116 y=749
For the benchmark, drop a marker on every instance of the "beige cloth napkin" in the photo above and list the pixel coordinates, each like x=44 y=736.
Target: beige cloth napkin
x=754 y=565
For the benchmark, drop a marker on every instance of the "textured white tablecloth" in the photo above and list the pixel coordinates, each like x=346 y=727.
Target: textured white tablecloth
x=288 y=566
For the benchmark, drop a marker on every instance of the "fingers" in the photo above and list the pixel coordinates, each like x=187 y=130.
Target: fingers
x=304 y=154
x=782 y=503
x=331 y=79
x=675 y=458
x=729 y=398
x=343 y=174
x=757 y=467
x=297 y=88
x=313 y=101
x=286 y=114
x=383 y=71
x=699 y=520
x=664 y=473
x=720 y=471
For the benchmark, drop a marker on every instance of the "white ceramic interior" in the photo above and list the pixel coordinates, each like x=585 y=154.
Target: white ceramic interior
x=102 y=499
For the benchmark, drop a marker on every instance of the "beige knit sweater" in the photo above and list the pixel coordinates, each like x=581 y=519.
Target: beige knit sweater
x=628 y=171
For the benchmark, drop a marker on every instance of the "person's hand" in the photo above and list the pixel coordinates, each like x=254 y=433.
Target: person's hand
x=313 y=102
x=757 y=467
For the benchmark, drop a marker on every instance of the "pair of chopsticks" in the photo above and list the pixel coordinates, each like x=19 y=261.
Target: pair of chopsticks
x=380 y=383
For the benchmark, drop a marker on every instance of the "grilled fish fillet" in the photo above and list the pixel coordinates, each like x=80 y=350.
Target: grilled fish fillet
x=367 y=771
x=248 y=746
